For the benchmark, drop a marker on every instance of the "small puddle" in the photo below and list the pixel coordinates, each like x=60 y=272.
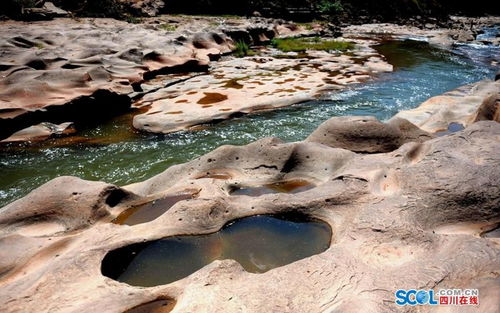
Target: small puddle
x=452 y=128
x=259 y=243
x=493 y=233
x=289 y=186
x=216 y=175
x=157 y=306
x=149 y=211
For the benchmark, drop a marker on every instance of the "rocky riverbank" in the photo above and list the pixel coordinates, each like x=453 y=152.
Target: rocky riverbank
x=55 y=72
x=401 y=217
x=177 y=70
x=407 y=203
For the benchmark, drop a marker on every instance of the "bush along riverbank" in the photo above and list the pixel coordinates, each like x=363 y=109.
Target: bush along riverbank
x=343 y=11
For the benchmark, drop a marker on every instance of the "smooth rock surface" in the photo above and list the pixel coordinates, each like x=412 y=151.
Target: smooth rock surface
x=464 y=105
x=268 y=81
x=51 y=69
x=366 y=134
x=40 y=132
x=393 y=215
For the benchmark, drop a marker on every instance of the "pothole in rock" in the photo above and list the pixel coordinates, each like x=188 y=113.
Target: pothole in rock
x=216 y=174
x=270 y=241
x=150 y=211
x=156 y=306
x=493 y=233
x=289 y=186
x=452 y=128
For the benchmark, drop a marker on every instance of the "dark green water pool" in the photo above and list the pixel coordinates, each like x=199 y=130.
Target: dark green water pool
x=269 y=242
x=420 y=72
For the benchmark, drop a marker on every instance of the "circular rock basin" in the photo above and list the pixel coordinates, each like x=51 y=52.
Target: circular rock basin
x=289 y=186
x=157 y=306
x=452 y=128
x=259 y=243
x=150 y=211
x=493 y=233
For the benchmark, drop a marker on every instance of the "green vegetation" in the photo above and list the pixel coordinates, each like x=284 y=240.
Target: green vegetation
x=330 y=7
x=168 y=27
x=338 y=10
x=308 y=26
x=304 y=44
x=243 y=50
x=132 y=19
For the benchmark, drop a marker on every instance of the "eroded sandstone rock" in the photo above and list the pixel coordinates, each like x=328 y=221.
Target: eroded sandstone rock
x=64 y=204
x=393 y=217
x=460 y=30
x=40 y=132
x=464 y=105
x=268 y=81
x=366 y=134
x=47 y=67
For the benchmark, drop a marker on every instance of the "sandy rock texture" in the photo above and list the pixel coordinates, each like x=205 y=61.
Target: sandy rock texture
x=464 y=105
x=268 y=81
x=410 y=215
x=365 y=134
x=69 y=70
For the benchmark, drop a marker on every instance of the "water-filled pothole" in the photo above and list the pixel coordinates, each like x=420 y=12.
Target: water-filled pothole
x=259 y=243
x=149 y=211
x=492 y=233
x=289 y=186
x=156 y=306
x=452 y=128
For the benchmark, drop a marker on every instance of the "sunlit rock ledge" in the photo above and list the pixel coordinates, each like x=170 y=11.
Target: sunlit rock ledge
x=406 y=208
x=54 y=72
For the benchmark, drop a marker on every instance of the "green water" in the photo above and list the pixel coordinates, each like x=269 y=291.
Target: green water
x=121 y=156
x=270 y=242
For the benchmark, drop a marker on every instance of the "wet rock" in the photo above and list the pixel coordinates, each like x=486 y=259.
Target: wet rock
x=40 y=132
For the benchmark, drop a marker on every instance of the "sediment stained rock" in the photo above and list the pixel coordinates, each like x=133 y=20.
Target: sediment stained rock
x=46 y=66
x=393 y=217
x=265 y=82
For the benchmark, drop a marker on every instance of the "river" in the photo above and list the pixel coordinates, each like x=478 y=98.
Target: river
x=117 y=154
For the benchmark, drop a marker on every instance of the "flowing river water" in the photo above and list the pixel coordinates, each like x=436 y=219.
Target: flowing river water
x=114 y=153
